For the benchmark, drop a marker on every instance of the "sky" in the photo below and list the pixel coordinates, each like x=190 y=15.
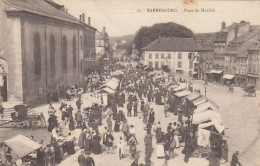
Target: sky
x=124 y=17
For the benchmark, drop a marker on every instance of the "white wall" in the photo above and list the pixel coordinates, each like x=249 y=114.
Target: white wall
x=173 y=61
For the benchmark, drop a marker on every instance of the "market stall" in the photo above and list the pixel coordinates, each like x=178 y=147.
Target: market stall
x=20 y=148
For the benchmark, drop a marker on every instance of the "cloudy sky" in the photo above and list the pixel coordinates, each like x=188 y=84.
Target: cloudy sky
x=121 y=17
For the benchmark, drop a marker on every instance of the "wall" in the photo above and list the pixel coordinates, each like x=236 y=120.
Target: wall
x=48 y=81
x=10 y=44
x=172 y=62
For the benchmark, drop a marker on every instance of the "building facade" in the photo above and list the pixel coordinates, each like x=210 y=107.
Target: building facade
x=179 y=54
x=42 y=48
x=102 y=44
x=205 y=48
x=231 y=51
x=254 y=65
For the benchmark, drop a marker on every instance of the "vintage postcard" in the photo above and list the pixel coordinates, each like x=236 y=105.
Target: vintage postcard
x=129 y=83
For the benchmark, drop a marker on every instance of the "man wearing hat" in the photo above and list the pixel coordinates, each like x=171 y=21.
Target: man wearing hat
x=234 y=161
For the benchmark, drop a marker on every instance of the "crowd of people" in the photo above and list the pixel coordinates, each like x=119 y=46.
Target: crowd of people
x=133 y=97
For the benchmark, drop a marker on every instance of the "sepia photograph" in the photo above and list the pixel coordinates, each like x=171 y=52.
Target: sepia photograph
x=129 y=83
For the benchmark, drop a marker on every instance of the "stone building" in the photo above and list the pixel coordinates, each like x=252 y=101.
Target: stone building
x=179 y=54
x=102 y=44
x=254 y=64
x=42 y=48
x=205 y=48
x=230 y=52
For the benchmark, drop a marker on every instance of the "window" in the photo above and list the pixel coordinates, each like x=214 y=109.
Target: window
x=37 y=54
x=156 y=56
x=52 y=54
x=64 y=58
x=150 y=56
x=179 y=64
x=150 y=64
x=81 y=42
x=156 y=65
x=74 y=52
x=179 y=55
x=162 y=56
x=169 y=55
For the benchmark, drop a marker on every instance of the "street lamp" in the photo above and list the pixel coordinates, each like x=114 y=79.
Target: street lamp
x=205 y=87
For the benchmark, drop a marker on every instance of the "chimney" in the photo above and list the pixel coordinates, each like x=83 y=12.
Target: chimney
x=89 y=21
x=104 y=29
x=83 y=17
x=223 y=25
x=80 y=18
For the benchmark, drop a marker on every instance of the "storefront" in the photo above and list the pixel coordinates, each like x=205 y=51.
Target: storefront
x=252 y=79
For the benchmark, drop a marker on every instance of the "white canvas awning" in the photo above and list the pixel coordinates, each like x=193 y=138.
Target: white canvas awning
x=204 y=107
x=117 y=73
x=193 y=96
x=228 y=76
x=200 y=101
x=174 y=86
x=112 y=84
x=107 y=90
x=22 y=145
x=183 y=93
x=205 y=116
x=179 y=88
x=216 y=71
x=219 y=127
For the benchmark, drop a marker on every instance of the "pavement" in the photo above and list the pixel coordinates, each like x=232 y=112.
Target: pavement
x=240 y=115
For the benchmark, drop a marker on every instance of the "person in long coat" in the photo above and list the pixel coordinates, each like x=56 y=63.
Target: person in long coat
x=71 y=124
x=117 y=126
x=151 y=117
x=88 y=140
x=234 y=161
x=108 y=137
x=121 y=117
x=82 y=138
x=96 y=147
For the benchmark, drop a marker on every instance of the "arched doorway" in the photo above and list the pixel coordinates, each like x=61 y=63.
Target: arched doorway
x=3 y=79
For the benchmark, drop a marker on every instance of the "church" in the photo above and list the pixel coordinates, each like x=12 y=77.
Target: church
x=42 y=48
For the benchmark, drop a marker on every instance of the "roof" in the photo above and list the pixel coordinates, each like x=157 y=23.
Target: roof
x=254 y=46
x=221 y=37
x=199 y=101
x=193 y=96
x=106 y=89
x=204 y=41
x=205 y=116
x=22 y=145
x=228 y=76
x=245 y=37
x=183 y=93
x=42 y=8
x=172 y=44
x=240 y=45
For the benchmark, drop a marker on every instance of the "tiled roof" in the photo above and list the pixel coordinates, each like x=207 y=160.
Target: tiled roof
x=204 y=41
x=172 y=44
x=221 y=37
x=245 y=37
x=39 y=7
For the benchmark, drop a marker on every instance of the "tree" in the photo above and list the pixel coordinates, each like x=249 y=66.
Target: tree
x=146 y=35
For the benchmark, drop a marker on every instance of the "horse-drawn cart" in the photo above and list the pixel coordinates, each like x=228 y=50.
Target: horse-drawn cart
x=22 y=117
